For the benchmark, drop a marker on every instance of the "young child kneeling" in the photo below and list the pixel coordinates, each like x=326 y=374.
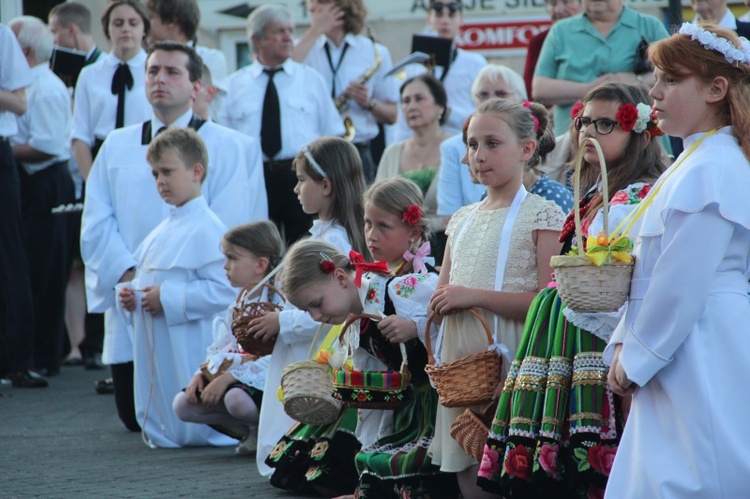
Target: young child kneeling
x=230 y=402
x=179 y=287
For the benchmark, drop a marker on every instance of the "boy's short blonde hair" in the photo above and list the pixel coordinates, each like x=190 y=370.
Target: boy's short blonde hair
x=185 y=142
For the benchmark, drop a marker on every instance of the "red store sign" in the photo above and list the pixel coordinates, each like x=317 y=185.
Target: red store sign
x=501 y=36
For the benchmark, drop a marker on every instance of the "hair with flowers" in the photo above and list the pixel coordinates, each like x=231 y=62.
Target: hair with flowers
x=643 y=160
x=403 y=198
x=310 y=261
x=681 y=55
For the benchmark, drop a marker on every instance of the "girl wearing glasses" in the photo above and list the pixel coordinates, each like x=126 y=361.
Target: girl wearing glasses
x=560 y=442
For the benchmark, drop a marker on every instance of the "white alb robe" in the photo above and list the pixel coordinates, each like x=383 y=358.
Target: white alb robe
x=122 y=206
x=182 y=255
x=685 y=334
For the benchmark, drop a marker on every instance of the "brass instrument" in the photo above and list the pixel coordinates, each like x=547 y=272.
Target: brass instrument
x=341 y=101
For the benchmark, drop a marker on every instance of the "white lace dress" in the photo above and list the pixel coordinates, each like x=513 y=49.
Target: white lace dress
x=474 y=263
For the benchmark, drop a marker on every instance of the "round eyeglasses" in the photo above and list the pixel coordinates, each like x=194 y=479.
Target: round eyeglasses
x=603 y=126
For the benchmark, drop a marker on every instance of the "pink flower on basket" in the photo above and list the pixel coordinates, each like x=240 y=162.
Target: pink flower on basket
x=548 y=458
x=490 y=463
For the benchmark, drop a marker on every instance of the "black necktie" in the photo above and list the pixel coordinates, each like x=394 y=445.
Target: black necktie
x=270 y=125
x=121 y=80
x=161 y=129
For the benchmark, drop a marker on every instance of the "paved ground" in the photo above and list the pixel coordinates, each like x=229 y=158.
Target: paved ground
x=66 y=441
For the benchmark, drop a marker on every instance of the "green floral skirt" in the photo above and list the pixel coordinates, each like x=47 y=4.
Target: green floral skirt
x=397 y=465
x=557 y=426
x=317 y=459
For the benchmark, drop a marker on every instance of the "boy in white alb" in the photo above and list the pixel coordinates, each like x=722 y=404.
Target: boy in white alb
x=179 y=287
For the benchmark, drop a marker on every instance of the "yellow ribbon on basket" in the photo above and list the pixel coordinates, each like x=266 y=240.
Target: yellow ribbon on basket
x=634 y=215
x=600 y=250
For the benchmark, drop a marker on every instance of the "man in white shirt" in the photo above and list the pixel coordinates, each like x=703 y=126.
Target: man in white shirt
x=285 y=105
x=41 y=150
x=178 y=20
x=70 y=23
x=16 y=303
x=334 y=48
x=445 y=19
x=717 y=12
x=122 y=205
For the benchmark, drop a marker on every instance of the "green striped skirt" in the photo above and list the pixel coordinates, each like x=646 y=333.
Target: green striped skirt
x=557 y=424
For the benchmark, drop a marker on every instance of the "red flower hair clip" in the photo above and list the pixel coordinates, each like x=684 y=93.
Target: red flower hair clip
x=626 y=116
x=527 y=105
x=576 y=110
x=412 y=215
x=326 y=264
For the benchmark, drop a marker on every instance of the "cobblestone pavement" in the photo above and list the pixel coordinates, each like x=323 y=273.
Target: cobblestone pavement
x=67 y=441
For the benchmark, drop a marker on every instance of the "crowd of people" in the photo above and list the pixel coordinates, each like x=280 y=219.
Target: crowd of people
x=202 y=193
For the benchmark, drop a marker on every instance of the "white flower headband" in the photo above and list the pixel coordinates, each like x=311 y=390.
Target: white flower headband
x=316 y=166
x=721 y=45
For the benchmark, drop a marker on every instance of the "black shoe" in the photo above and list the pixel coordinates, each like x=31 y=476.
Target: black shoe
x=93 y=361
x=27 y=379
x=105 y=386
x=72 y=362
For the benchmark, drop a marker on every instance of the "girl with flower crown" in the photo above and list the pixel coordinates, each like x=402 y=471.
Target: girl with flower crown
x=557 y=425
x=682 y=347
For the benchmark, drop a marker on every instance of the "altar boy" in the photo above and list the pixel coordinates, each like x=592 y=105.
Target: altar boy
x=179 y=287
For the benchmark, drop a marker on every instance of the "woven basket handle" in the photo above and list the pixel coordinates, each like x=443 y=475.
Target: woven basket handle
x=251 y=288
x=428 y=341
x=577 y=189
x=375 y=318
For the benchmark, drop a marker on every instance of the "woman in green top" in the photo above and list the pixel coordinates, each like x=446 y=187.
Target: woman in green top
x=583 y=51
x=425 y=106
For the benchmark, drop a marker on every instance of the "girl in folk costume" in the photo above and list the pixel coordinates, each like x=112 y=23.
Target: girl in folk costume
x=397 y=464
x=559 y=441
x=330 y=183
x=497 y=258
x=682 y=346
x=231 y=401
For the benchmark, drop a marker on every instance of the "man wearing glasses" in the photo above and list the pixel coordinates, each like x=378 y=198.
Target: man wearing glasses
x=445 y=19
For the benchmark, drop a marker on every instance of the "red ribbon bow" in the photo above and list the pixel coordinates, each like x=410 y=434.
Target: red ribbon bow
x=360 y=266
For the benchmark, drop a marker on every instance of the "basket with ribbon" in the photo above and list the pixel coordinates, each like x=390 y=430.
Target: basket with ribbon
x=306 y=390
x=468 y=381
x=246 y=309
x=371 y=389
x=594 y=276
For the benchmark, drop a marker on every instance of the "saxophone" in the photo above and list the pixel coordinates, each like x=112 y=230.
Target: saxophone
x=341 y=101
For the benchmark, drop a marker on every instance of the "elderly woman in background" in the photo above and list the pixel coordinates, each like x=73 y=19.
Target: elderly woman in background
x=424 y=103
x=601 y=44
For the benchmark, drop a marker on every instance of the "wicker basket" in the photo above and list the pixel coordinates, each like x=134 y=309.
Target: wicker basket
x=468 y=381
x=471 y=430
x=583 y=286
x=245 y=310
x=372 y=389
x=308 y=392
